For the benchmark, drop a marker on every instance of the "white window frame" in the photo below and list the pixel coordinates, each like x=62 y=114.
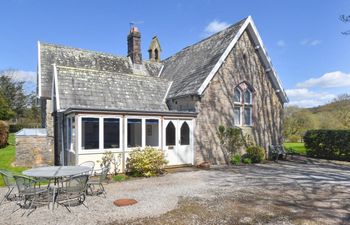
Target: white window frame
x=242 y=105
x=143 y=131
x=101 y=148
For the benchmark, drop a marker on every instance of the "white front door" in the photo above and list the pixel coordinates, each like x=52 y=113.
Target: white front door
x=178 y=141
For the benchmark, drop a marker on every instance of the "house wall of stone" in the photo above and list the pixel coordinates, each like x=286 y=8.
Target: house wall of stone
x=32 y=151
x=216 y=105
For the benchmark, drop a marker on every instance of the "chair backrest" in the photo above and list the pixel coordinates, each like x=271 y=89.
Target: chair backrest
x=76 y=184
x=103 y=174
x=7 y=177
x=24 y=183
x=89 y=164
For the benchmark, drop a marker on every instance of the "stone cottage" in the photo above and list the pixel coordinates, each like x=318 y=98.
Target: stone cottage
x=94 y=102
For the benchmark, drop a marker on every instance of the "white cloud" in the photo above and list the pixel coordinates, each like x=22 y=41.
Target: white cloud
x=26 y=76
x=215 y=26
x=281 y=43
x=310 y=42
x=305 y=98
x=328 y=80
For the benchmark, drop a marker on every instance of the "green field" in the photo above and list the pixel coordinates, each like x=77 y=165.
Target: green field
x=7 y=156
x=298 y=147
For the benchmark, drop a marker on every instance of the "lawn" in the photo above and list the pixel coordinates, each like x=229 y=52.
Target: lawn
x=7 y=156
x=297 y=147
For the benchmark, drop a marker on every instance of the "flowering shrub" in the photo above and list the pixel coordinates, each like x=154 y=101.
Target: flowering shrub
x=4 y=133
x=146 y=163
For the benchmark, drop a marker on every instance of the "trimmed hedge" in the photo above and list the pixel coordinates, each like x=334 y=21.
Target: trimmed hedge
x=328 y=144
x=4 y=133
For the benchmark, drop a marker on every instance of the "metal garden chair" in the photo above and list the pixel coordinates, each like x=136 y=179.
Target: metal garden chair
x=89 y=164
x=95 y=185
x=10 y=183
x=73 y=191
x=30 y=193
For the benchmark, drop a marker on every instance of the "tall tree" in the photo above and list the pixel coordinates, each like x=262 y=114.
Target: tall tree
x=13 y=92
x=5 y=111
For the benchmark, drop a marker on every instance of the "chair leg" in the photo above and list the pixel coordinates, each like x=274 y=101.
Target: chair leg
x=8 y=193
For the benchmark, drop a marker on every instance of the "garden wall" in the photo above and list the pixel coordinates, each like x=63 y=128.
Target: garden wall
x=34 y=148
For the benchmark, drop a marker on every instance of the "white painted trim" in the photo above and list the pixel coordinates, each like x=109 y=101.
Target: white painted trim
x=143 y=131
x=161 y=70
x=266 y=59
x=167 y=92
x=101 y=148
x=39 y=70
x=57 y=95
x=223 y=57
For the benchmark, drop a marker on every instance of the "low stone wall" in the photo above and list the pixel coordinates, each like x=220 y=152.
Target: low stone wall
x=32 y=151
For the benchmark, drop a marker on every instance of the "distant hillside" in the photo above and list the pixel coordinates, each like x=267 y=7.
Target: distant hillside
x=331 y=107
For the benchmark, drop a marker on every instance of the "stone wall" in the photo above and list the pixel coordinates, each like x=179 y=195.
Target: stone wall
x=216 y=105
x=32 y=151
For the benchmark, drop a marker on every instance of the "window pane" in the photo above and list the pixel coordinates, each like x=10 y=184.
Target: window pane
x=237 y=95
x=90 y=133
x=134 y=132
x=247 y=116
x=152 y=136
x=69 y=133
x=247 y=97
x=237 y=115
x=111 y=133
x=185 y=134
x=170 y=134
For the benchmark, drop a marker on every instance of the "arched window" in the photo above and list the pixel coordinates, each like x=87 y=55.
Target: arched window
x=243 y=101
x=156 y=56
x=170 y=134
x=185 y=134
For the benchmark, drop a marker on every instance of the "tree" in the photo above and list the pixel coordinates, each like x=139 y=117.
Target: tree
x=297 y=121
x=345 y=19
x=13 y=92
x=5 y=111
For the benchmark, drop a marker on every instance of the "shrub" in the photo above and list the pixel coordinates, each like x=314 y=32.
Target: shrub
x=294 y=138
x=236 y=159
x=147 y=163
x=247 y=160
x=4 y=133
x=16 y=127
x=255 y=153
x=328 y=144
x=108 y=159
x=120 y=177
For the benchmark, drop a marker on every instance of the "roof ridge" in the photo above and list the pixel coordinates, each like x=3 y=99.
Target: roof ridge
x=109 y=72
x=207 y=38
x=83 y=50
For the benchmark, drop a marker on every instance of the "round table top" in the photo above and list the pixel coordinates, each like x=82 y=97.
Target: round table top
x=56 y=171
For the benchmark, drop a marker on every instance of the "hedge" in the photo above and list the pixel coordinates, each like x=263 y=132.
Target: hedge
x=328 y=144
x=4 y=133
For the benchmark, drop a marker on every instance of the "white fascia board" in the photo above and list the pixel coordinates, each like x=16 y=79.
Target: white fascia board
x=167 y=91
x=39 y=71
x=266 y=59
x=250 y=27
x=56 y=87
x=161 y=70
x=223 y=57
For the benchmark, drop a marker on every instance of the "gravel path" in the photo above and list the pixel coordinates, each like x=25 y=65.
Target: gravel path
x=315 y=189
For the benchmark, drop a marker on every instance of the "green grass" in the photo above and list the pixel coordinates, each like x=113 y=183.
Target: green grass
x=120 y=177
x=297 y=147
x=7 y=156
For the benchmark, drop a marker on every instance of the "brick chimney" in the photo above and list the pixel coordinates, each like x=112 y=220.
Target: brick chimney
x=134 y=45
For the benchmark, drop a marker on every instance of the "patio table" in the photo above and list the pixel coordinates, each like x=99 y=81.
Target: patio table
x=56 y=172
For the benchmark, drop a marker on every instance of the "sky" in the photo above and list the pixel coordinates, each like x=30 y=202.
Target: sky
x=303 y=38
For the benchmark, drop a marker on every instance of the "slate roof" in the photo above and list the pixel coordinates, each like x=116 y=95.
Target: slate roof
x=189 y=68
x=93 y=89
x=79 y=58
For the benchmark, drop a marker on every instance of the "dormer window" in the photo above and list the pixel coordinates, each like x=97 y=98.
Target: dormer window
x=243 y=105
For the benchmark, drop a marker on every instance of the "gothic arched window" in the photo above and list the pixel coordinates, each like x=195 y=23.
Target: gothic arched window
x=243 y=109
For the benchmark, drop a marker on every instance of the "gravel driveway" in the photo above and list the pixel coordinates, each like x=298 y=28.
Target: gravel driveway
x=302 y=191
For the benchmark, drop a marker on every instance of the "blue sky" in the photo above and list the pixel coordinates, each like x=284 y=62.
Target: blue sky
x=303 y=38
